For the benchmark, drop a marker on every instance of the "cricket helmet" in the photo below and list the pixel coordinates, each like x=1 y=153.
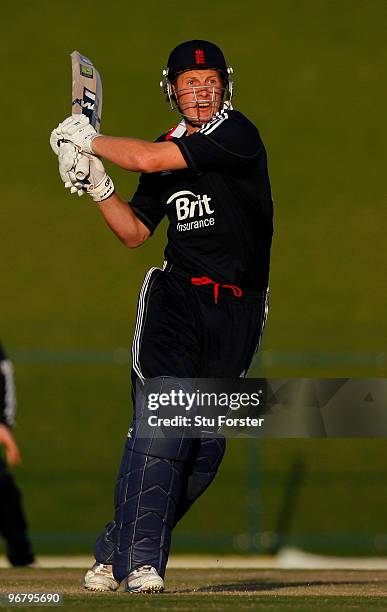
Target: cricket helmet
x=195 y=55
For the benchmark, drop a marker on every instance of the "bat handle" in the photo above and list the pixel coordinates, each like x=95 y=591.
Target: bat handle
x=82 y=168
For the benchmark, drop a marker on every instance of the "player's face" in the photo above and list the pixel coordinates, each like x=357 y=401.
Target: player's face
x=198 y=94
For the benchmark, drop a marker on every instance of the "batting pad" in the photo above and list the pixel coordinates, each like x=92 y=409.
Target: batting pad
x=147 y=492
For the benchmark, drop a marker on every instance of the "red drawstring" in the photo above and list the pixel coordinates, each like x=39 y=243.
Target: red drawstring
x=204 y=280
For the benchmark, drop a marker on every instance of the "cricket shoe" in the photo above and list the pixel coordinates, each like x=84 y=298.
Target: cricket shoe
x=100 y=578
x=144 y=579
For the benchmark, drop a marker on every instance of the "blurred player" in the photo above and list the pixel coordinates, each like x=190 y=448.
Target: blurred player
x=13 y=526
x=202 y=314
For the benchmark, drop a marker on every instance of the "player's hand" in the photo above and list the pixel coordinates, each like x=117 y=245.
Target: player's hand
x=96 y=182
x=68 y=158
x=75 y=129
x=12 y=453
x=57 y=139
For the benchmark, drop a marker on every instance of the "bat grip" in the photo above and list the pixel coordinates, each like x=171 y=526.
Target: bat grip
x=82 y=168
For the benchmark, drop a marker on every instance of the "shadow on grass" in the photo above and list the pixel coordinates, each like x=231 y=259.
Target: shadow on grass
x=272 y=586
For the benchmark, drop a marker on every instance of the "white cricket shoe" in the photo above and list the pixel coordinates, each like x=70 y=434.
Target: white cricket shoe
x=144 y=579
x=100 y=578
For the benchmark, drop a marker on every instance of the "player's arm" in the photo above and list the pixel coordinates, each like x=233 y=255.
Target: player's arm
x=129 y=224
x=121 y=219
x=129 y=153
x=117 y=213
x=139 y=155
x=12 y=453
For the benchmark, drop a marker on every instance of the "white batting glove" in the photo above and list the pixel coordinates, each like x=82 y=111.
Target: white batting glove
x=68 y=158
x=96 y=182
x=75 y=129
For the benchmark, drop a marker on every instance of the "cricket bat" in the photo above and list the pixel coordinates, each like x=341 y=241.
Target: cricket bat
x=86 y=98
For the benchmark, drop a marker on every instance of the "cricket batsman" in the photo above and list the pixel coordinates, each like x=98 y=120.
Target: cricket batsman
x=202 y=314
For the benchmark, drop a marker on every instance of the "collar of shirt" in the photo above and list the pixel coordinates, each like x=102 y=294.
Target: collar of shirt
x=180 y=129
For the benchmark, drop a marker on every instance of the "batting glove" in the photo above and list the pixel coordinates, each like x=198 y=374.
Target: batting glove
x=75 y=129
x=95 y=182
x=68 y=157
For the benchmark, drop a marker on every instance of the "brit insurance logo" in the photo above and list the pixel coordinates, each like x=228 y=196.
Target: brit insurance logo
x=195 y=210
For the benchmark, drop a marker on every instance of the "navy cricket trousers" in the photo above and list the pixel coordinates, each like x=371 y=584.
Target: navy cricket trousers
x=183 y=330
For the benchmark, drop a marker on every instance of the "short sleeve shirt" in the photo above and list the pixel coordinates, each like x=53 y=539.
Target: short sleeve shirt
x=7 y=391
x=220 y=208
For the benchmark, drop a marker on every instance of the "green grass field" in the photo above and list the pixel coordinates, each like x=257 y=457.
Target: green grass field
x=311 y=75
x=217 y=590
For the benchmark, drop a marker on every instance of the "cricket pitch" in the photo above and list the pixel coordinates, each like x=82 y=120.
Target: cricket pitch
x=222 y=589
